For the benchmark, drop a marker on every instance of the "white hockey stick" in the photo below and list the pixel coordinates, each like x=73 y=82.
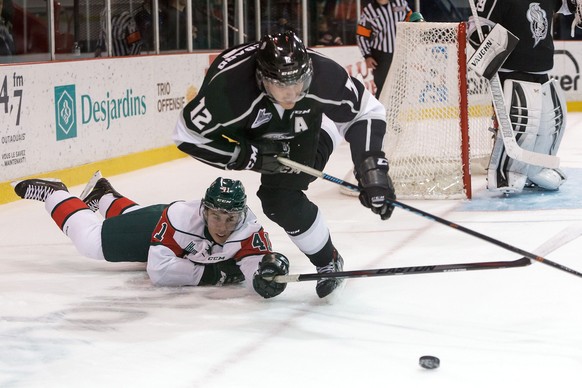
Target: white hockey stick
x=568 y=234
x=513 y=149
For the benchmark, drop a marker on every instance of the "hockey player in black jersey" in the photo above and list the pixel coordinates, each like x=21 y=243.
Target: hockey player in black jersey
x=277 y=98
x=535 y=104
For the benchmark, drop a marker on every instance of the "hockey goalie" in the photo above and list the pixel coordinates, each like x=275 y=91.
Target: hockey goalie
x=534 y=105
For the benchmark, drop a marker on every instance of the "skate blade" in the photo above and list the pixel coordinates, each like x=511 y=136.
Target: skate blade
x=90 y=185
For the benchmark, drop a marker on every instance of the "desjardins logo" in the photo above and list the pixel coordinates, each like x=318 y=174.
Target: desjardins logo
x=94 y=109
x=112 y=108
x=65 y=112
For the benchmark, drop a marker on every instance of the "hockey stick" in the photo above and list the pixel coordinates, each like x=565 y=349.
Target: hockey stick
x=565 y=236
x=513 y=149
x=363 y=273
x=529 y=255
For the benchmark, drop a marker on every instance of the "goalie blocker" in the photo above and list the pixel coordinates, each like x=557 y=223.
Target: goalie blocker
x=490 y=55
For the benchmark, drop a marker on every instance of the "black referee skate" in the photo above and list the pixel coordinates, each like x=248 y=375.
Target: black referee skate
x=38 y=189
x=96 y=188
x=325 y=286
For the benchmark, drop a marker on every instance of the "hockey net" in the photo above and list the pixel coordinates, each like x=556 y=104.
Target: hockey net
x=438 y=115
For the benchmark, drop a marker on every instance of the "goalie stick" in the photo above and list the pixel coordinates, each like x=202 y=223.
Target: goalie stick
x=562 y=238
x=513 y=149
x=529 y=255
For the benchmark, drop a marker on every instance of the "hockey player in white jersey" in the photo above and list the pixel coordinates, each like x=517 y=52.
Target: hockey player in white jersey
x=213 y=241
x=535 y=104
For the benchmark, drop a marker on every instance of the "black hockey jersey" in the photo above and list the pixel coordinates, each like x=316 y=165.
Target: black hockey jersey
x=231 y=106
x=531 y=22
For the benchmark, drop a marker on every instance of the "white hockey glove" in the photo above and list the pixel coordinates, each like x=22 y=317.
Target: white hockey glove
x=272 y=264
x=375 y=184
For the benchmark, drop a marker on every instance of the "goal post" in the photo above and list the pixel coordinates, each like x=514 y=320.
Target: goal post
x=437 y=112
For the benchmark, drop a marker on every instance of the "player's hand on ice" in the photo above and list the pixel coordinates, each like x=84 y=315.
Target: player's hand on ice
x=271 y=265
x=260 y=156
x=375 y=184
x=222 y=272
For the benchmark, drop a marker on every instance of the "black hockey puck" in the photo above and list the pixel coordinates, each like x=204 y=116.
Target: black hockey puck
x=429 y=362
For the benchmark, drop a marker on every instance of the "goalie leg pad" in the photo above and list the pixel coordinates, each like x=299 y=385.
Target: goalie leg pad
x=552 y=122
x=552 y=125
x=499 y=178
x=523 y=102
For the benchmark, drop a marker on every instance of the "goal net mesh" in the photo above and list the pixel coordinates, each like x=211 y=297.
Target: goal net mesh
x=423 y=98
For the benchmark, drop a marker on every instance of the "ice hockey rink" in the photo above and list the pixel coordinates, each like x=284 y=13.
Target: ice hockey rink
x=68 y=321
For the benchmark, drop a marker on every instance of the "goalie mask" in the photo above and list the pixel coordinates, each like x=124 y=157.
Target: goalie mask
x=224 y=208
x=284 y=69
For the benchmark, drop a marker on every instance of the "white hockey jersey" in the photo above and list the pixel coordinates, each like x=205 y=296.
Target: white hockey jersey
x=181 y=246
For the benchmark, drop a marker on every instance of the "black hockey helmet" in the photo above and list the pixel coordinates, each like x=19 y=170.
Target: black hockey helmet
x=227 y=195
x=283 y=59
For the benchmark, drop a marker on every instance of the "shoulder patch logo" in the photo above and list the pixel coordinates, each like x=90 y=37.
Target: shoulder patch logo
x=538 y=23
x=262 y=118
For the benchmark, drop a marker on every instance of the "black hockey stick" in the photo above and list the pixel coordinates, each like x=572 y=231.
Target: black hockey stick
x=363 y=273
x=562 y=238
x=529 y=255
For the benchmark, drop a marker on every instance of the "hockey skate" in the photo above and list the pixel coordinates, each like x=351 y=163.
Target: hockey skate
x=38 y=189
x=96 y=188
x=326 y=286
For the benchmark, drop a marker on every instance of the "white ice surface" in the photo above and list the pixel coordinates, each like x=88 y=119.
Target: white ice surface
x=67 y=321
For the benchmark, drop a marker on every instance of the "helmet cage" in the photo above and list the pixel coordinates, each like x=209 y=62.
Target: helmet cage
x=305 y=78
x=242 y=213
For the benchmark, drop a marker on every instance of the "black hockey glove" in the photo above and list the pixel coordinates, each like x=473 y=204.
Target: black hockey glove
x=260 y=156
x=272 y=264
x=375 y=184
x=223 y=272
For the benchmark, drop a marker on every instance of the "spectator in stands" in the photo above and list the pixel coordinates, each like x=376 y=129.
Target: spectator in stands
x=7 y=47
x=144 y=20
x=125 y=35
x=327 y=36
x=173 y=22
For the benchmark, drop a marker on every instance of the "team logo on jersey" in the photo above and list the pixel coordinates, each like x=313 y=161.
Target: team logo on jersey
x=262 y=118
x=191 y=248
x=538 y=22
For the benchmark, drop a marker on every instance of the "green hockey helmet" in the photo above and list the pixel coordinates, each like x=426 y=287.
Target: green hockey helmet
x=227 y=195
